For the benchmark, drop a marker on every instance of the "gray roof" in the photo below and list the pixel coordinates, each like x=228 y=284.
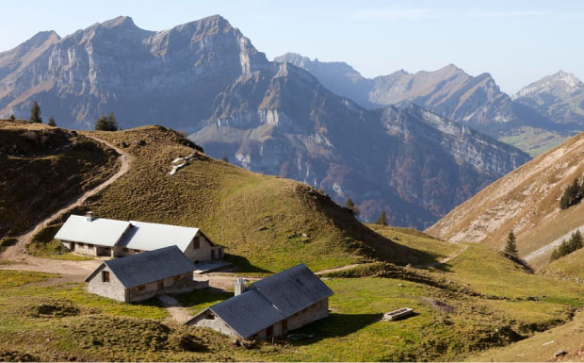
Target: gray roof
x=272 y=299
x=293 y=290
x=149 y=236
x=149 y=266
x=98 y=231
x=247 y=313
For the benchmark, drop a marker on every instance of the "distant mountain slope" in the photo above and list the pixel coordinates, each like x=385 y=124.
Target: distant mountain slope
x=559 y=96
x=43 y=169
x=525 y=201
x=207 y=79
x=409 y=162
x=449 y=92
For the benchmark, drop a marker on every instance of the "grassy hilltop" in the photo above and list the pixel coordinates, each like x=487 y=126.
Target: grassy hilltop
x=266 y=223
x=42 y=168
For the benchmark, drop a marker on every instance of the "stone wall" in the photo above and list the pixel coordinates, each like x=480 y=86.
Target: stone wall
x=204 y=252
x=313 y=313
x=80 y=248
x=172 y=285
x=209 y=320
x=114 y=289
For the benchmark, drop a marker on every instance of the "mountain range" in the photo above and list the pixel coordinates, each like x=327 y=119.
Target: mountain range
x=207 y=79
x=550 y=108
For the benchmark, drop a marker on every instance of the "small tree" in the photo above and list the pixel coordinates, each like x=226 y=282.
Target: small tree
x=12 y=117
x=107 y=123
x=102 y=124
x=52 y=121
x=575 y=242
x=349 y=204
x=511 y=247
x=113 y=122
x=225 y=158
x=382 y=220
x=35 y=113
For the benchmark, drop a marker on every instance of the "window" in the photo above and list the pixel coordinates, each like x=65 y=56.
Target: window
x=197 y=243
x=141 y=288
x=211 y=317
x=105 y=277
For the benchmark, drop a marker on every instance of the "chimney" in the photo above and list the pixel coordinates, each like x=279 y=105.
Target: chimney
x=239 y=286
x=90 y=216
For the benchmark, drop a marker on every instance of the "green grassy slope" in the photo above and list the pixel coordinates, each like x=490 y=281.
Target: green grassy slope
x=479 y=300
x=568 y=267
x=43 y=168
x=534 y=141
x=542 y=346
x=265 y=222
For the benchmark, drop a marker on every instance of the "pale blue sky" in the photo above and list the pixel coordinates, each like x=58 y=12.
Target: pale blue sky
x=517 y=42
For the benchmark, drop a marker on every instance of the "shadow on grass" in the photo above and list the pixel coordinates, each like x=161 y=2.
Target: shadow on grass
x=153 y=301
x=444 y=267
x=335 y=326
x=244 y=264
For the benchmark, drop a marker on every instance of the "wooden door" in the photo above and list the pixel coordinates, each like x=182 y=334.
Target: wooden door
x=160 y=285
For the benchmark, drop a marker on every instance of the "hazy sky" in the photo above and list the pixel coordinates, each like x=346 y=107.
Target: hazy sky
x=517 y=42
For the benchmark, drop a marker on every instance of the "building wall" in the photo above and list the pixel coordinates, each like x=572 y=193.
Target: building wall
x=122 y=251
x=82 y=249
x=204 y=252
x=313 y=313
x=210 y=320
x=184 y=283
x=114 y=289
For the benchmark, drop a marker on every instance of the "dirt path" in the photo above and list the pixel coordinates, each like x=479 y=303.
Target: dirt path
x=342 y=268
x=70 y=270
x=176 y=311
x=550 y=246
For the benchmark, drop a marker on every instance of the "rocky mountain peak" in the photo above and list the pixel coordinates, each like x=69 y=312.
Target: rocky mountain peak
x=560 y=84
x=120 y=22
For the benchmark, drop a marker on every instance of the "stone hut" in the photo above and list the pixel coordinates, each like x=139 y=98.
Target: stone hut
x=270 y=307
x=88 y=235
x=139 y=277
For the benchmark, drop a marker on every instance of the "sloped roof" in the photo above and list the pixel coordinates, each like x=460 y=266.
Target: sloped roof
x=149 y=266
x=149 y=236
x=271 y=299
x=98 y=231
x=293 y=289
x=247 y=313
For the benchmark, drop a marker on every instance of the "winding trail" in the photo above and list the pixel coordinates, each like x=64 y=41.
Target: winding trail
x=70 y=270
